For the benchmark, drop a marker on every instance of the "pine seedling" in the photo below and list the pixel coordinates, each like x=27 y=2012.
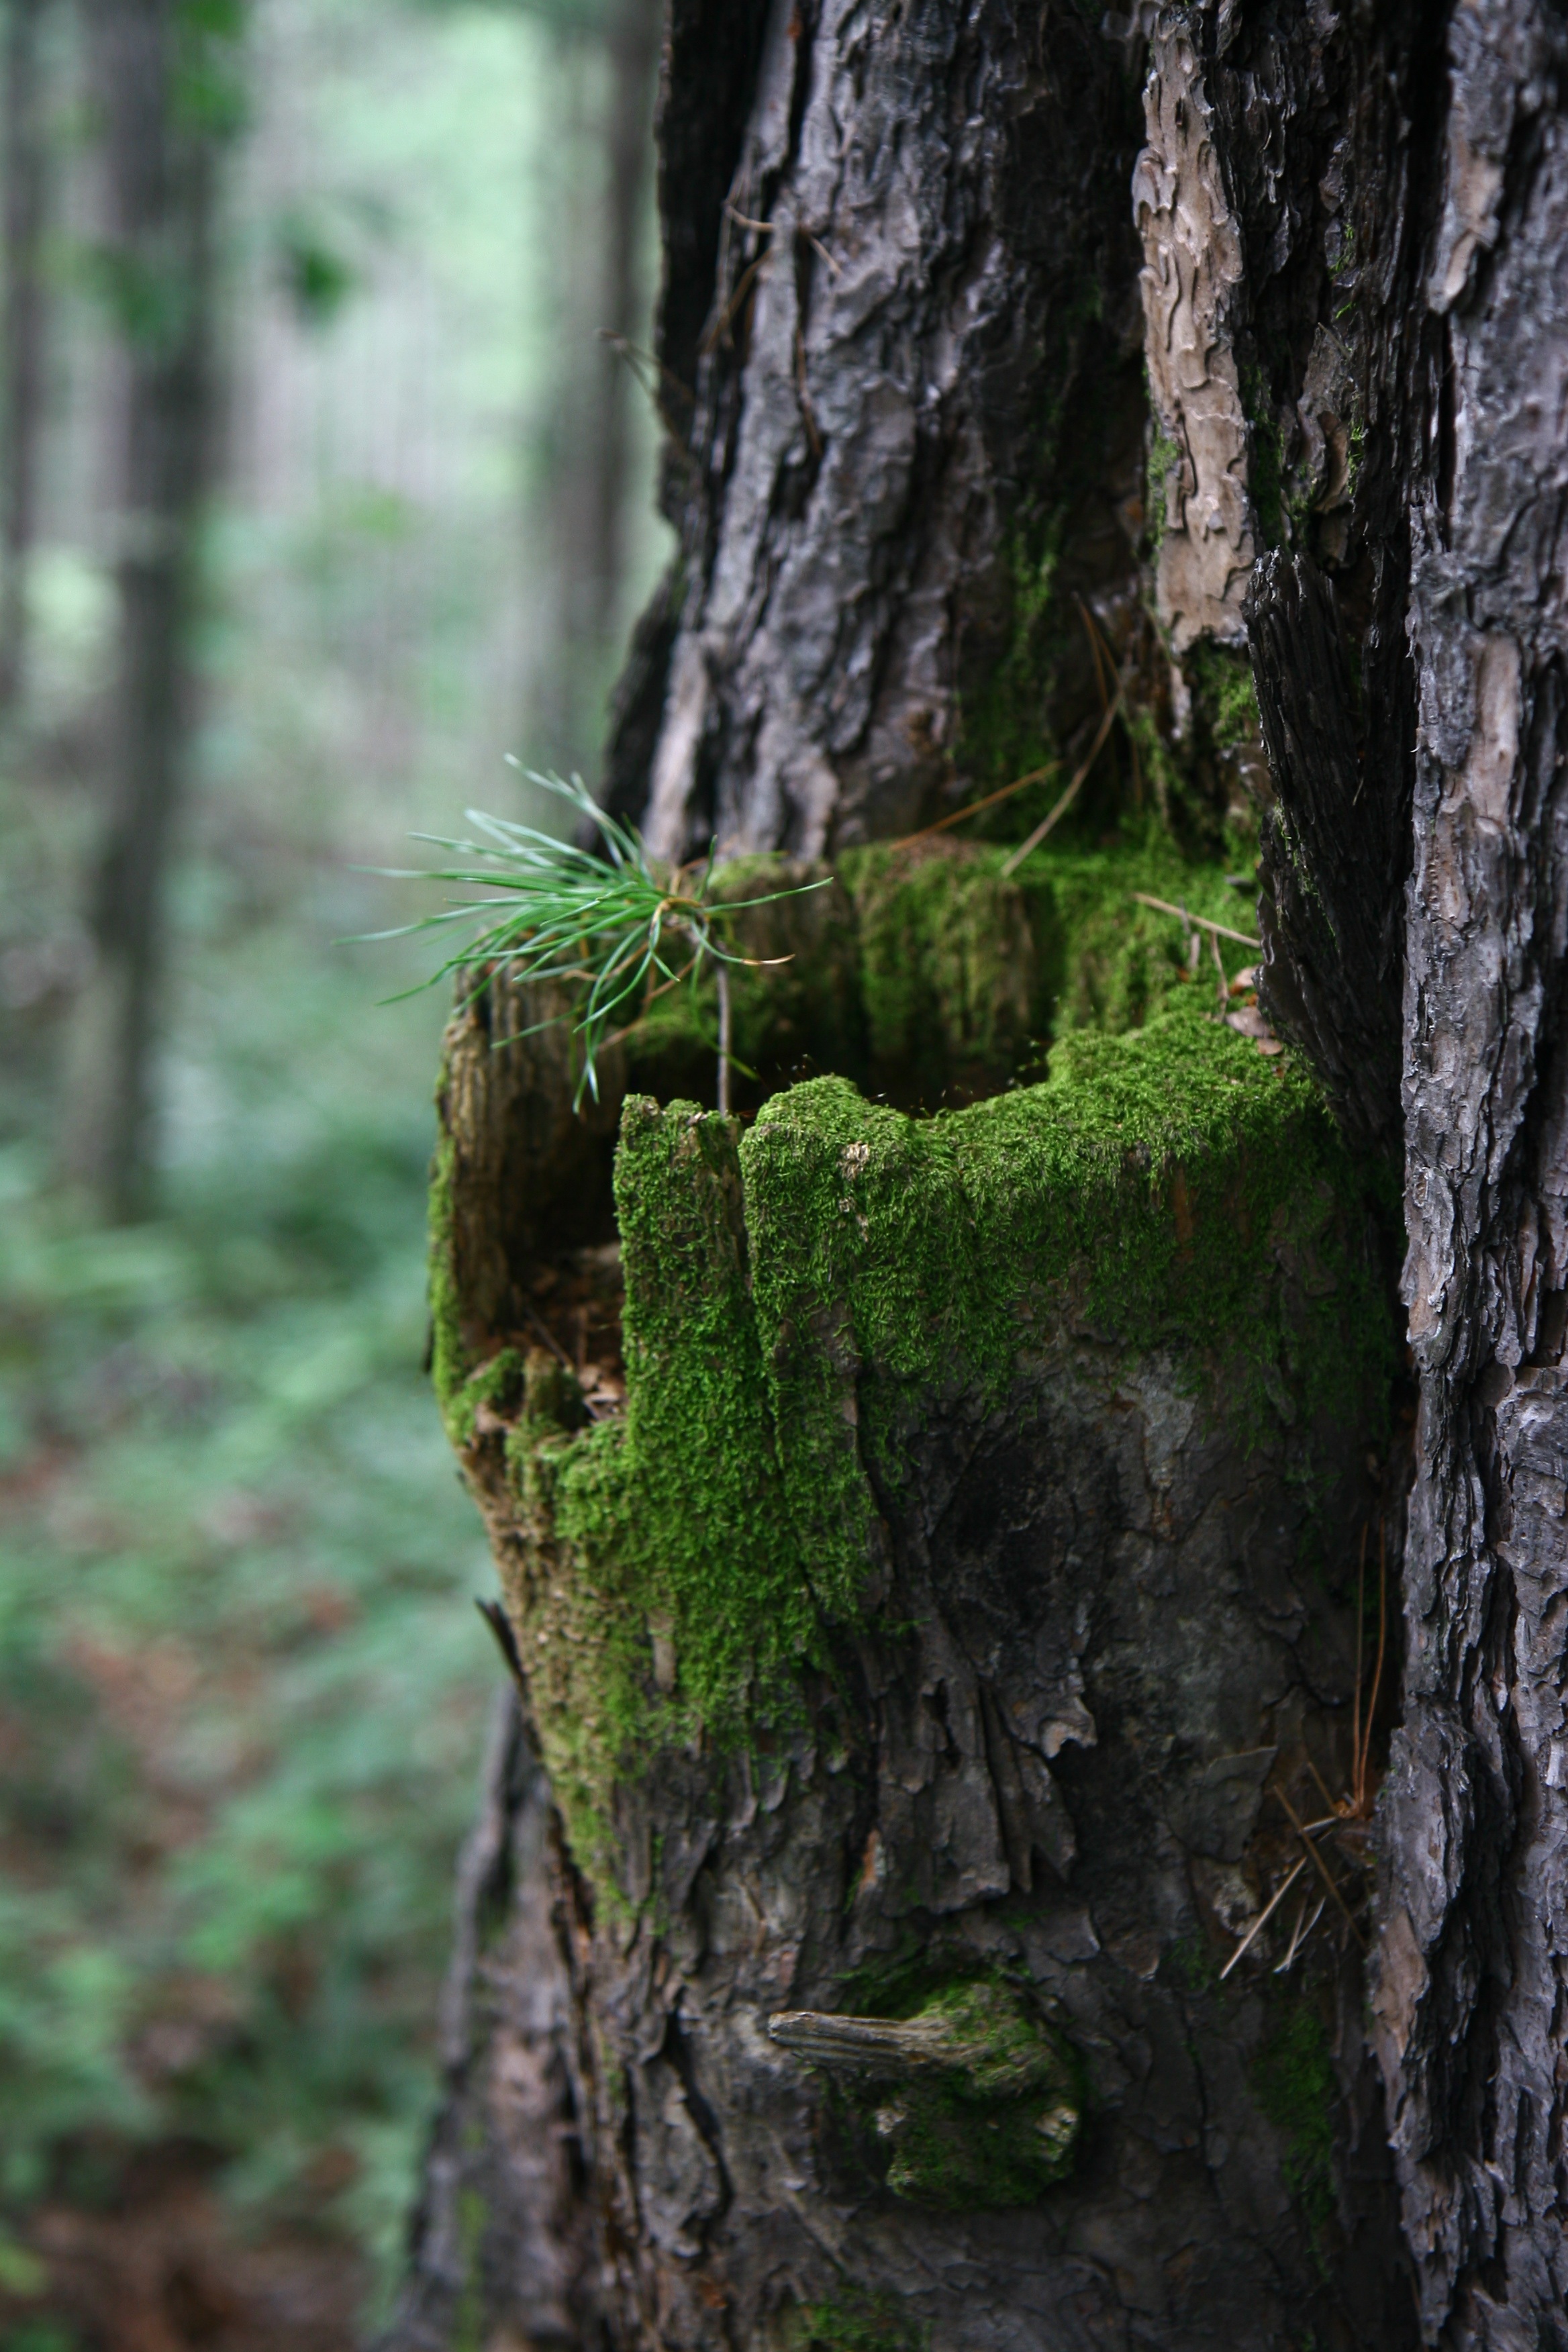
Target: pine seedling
x=610 y=926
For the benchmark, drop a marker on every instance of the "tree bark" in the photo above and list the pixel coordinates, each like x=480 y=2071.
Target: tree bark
x=1475 y=1927
x=26 y=170
x=601 y=192
x=898 y=328
x=159 y=153
x=950 y=358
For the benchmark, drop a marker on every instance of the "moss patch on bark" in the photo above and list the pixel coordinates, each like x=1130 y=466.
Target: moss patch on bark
x=798 y=1297
x=925 y=974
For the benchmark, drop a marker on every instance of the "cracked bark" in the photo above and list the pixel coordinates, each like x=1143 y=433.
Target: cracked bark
x=1350 y=224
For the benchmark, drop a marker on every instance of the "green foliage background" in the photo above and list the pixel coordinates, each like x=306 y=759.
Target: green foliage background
x=243 y=1689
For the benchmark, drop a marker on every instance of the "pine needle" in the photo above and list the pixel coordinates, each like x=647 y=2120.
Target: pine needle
x=606 y=924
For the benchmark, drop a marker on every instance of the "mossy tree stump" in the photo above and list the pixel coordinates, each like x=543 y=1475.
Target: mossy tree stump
x=940 y=1631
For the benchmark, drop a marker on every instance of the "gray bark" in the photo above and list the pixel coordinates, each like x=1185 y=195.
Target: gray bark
x=1475 y=1945
x=890 y=369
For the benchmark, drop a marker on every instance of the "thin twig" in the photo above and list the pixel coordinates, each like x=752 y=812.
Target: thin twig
x=1322 y=1867
x=973 y=808
x=1263 y=1917
x=720 y=331
x=1163 y=906
x=1097 y=636
x=1304 y=1928
x=1104 y=691
x=1360 y=1621
x=724 y=981
x=1220 y=967
x=1068 y=798
x=1129 y=731
x=1334 y=1812
x=807 y=413
x=771 y=228
x=1365 y=1763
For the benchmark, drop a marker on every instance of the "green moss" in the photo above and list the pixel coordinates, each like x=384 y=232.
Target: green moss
x=498 y=1384
x=925 y=970
x=665 y=1533
x=469 y=2319
x=799 y=1000
x=1164 y=457
x=799 y=1302
x=1192 y=1964
x=986 y=2115
x=1114 y=962
x=962 y=2155
x=449 y=1357
x=1004 y=731
x=1223 y=677
x=952 y=972
x=1294 y=2080
x=794 y=1305
x=857 y=2320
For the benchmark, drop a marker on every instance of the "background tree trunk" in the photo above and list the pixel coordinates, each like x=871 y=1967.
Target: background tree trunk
x=156 y=90
x=25 y=166
x=606 y=69
x=902 y=334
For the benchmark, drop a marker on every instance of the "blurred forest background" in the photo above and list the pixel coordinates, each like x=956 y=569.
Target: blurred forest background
x=322 y=489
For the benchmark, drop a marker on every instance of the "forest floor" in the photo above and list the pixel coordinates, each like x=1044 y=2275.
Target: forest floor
x=242 y=1689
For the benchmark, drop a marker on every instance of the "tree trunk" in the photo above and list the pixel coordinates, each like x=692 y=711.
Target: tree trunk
x=157 y=92
x=26 y=167
x=928 y=1713
x=633 y=42
x=1472 y=2028
x=607 y=77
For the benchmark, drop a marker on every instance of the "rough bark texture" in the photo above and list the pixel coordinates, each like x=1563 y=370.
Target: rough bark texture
x=922 y=265
x=1354 y=223
x=1472 y=2006
x=503 y=2225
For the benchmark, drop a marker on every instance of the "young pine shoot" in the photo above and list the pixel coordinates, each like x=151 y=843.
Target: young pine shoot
x=611 y=927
